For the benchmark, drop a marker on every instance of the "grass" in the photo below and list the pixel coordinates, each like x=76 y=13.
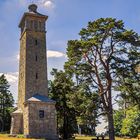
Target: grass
x=89 y=138
x=6 y=137
x=19 y=137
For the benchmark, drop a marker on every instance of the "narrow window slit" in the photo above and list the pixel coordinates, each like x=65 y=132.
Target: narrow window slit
x=36 y=42
x=36 y=75
x=36 y=58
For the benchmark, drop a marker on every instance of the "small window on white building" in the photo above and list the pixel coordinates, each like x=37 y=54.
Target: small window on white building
x=41 y=114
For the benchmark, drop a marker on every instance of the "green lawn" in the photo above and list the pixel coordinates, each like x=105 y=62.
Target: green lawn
x=6 y=137
x=89 y=138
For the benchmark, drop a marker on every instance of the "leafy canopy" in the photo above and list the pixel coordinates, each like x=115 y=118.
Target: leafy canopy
x=104 y=57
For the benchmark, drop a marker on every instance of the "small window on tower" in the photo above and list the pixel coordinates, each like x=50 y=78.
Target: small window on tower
x=36 y=42
x=35 y=25
x=40 y=26
x=36 y=75
x=36 y=58
x=41 y=114
x=32 y=24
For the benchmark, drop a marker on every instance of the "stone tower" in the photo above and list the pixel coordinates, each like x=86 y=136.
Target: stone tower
x=36 y=114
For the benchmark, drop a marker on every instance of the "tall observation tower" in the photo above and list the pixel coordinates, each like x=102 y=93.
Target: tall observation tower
x=36 y=114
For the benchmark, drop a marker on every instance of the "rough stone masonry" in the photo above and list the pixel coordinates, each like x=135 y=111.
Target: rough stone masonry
x=35 y=116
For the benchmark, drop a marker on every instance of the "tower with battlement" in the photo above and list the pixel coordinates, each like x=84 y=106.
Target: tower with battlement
x=35 y=115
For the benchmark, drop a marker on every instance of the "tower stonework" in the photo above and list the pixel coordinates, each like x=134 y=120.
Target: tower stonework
x=35 y=115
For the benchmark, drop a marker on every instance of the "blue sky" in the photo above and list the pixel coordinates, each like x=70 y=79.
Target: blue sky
x=66 y=18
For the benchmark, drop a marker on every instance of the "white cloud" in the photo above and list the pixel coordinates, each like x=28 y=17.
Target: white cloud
x=49 y=4
x=50 y=54
x=46 y=3
x=101 y=127
x=12 y=77
x=43 y=3
x=55 y=54
x=17 y=57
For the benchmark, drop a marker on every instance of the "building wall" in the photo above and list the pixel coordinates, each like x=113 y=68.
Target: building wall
x=33 y=80
x=26 y=120
x=17 y=123
x=36 y=64
x=22 y=71
x=33 y=63
x=41 y=127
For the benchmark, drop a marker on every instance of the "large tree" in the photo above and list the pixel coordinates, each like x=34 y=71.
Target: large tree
x=97 y=57
x=86 y=105
x=6 y=104
x=60 y=89
x=76 y=105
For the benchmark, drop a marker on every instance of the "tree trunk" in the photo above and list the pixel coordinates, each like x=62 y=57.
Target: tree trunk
x=111 y=127
x=110 y=118
x=65 y=130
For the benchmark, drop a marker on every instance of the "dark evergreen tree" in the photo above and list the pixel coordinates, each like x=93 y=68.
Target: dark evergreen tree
x=6 y=104
x=60 y=89
x=76 y=106
x=86 y=105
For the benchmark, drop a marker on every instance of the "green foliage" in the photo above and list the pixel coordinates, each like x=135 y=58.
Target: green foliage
x=86 y=105
x=128 y=78
x=131 y=124
x=118 y=121
x=105 y=54
x=74 y=104
x=6 y=104
x=126 y=122
x=60 y=89
x=20 y=136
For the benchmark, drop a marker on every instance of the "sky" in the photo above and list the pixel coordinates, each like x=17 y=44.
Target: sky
x=66 y=19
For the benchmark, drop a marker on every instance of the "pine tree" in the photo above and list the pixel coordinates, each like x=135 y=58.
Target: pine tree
x=99 y=57
x=6 y=104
